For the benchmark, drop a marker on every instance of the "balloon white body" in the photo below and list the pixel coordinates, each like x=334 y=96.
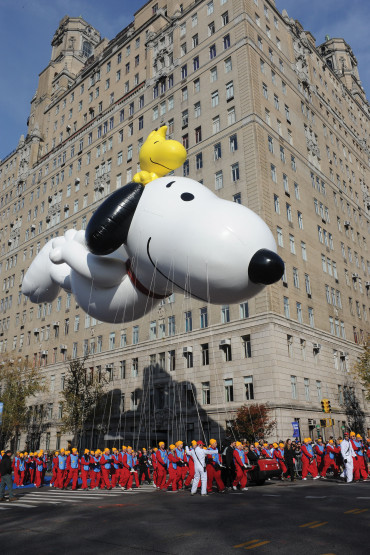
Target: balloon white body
x=182 y=238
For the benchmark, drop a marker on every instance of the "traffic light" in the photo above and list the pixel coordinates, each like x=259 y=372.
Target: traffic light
x=325 y=405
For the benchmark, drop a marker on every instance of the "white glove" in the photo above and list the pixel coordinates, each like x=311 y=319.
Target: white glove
x=245 y=466
x=132 y=470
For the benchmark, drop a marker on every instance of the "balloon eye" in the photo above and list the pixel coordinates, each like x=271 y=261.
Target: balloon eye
x=187 y=196
x=170 y=183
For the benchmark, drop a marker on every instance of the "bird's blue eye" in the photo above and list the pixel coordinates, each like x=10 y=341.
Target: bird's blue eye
x=187 y=196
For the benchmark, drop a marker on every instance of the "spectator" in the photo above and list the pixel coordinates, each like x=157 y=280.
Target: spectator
x=6 y=476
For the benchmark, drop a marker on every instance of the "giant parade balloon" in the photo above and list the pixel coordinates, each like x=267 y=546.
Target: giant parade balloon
x=155 y=236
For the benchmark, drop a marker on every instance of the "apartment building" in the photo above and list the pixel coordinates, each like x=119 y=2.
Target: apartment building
x=270 y=120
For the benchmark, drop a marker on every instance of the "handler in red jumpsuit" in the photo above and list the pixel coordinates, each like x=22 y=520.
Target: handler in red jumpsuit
x=191 y=467
x=54 y=469
x=360 y=470
x=105 y=464
x=116 y=467
x=172 y=469
x=72 y=469
x=154 y=464
x=125 y=472
x=182 y=464
x=162 y=458
x=320 y=454
x=39 y=469
x=279 y=456
x=241 y=467
x=96 y=470
x=85 y=469
x=330 y=459
x=214 y=464
x=308 y=460
x=265 y=451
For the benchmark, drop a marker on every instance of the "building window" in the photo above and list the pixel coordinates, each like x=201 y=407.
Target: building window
x=218 y=180
x=225 y=314
x=233 y=141
x=293 y=383
x=206 y=393
x=229 y=390
x=188 y=321
x=135 y=335
x=235 y=172
x=203 y=317
x=205 y=354
x=248 y=388
x=247 y=346
x=286 y=307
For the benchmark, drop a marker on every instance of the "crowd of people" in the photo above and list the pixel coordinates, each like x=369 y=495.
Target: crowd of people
x=189 y=467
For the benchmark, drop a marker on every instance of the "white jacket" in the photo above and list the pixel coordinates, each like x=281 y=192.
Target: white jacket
x=347 y=450
x=199 y=455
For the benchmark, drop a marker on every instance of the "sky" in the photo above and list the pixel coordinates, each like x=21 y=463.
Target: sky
x=27 y=27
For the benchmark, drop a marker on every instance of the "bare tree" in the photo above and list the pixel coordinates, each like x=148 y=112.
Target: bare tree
x=81 y=397
x=18 y=381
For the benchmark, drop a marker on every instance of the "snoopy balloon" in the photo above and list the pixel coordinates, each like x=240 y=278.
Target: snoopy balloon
x=145 y=242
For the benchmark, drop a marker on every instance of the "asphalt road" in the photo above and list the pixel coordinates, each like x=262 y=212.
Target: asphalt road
x=313 y=518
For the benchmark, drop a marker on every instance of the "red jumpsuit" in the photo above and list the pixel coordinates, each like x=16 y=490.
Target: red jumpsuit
x=182 y=466
x=191 y=471
x=214 y=472
x=308 y=461
x=241 y=471
x=85 y=470
x=279 y=456
x=161 y=456
x=72 y=469
x=116 y=468
x=154 y=463
x=32 y=469
x=330 y=460
x=95 y=472
x=125 y=472
x=21 y=471
x=61 y=471
x=359 y=469
x=266 y=453
x=320 y=455
x=105 y=464
x=16 y=471
x=172 y=472
x=39 y=470
x=55 y=471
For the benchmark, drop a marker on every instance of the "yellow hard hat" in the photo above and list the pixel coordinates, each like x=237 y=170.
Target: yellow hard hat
x=275 y=445
x=161 y=443
x=172 y=446
x=358 y=436
x=238 y=443
x=86 y=451
x=124 y=447
x=281 y=444
x=352 y=434
x=193 y=442
x=212 y=441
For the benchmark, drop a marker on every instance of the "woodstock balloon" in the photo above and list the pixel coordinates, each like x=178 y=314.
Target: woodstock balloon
x=145 y=242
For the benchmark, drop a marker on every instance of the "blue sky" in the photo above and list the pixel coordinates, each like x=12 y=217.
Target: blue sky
x=27 y=27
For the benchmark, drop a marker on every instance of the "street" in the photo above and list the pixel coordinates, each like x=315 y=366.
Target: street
x=279 y=517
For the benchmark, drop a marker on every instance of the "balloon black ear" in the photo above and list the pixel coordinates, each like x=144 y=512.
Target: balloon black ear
x=108 y=227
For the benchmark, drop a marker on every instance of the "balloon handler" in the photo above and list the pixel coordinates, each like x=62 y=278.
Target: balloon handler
x=144 y=238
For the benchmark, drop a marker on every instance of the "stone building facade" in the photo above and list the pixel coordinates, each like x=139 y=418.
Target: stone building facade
x=270 y=120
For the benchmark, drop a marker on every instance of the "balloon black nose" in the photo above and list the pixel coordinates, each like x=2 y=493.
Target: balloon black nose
x=266 y=267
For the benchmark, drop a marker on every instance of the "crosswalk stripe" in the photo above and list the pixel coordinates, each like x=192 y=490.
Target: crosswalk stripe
x=24 y=505
x=4 y=508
